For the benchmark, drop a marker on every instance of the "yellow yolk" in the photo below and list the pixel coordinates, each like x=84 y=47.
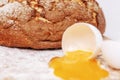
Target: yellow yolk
x=77 y=66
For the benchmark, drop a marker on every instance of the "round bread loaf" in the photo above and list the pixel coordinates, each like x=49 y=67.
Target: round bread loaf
x=39 y=24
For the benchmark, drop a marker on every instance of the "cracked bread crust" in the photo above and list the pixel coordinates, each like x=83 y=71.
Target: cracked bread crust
x=39 y=24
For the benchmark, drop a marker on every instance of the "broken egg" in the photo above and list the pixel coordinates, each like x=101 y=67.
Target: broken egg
x=80 y=43
x=82 y=36
x=86 y=37
x=111 y=53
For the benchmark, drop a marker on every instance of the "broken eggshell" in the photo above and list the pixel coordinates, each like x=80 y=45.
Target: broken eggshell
x=82 y=36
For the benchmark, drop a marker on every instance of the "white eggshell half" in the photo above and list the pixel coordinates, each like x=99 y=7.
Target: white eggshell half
x=111 y=53
x=81 y=36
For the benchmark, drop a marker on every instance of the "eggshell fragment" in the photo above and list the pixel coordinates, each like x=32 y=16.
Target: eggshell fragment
x=111 y=53
x=81 y=36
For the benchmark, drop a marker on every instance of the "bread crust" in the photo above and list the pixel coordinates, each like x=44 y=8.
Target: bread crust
x=39 y=24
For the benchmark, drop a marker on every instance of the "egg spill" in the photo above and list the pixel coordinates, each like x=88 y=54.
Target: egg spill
x=76 y=65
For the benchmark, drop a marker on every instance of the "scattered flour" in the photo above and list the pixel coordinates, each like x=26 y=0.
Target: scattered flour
x=19 y=64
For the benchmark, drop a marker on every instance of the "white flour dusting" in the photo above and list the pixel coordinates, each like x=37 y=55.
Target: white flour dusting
x=15 y=11
x=3 y=2
x=18 y=64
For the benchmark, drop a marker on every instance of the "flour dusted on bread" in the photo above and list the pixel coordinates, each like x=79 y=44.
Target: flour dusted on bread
x=3 y=2
x=15 y=12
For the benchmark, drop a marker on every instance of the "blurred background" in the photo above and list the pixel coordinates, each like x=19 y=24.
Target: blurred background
x=112 y=15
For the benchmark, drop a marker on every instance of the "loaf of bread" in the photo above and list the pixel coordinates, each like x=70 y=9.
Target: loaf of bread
x=39 y=24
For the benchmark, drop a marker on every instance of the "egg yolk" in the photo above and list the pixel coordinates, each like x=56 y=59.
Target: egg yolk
x=77 y=66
